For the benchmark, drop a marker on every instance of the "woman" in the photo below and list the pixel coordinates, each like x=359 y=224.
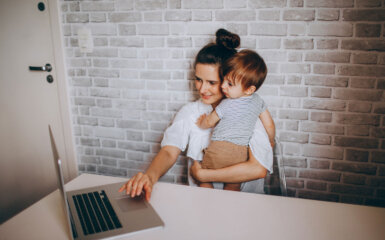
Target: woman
x=184 y=133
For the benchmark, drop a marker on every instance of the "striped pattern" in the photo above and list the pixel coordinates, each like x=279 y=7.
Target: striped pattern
x=238 y=119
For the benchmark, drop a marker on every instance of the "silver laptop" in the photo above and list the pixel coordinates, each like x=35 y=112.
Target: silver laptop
x=103 y=212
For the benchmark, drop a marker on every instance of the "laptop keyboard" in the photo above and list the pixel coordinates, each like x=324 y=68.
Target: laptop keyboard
x=95 y=212
x=73 y=228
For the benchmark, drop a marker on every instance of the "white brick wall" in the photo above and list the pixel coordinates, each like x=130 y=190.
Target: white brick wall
x=325 y=86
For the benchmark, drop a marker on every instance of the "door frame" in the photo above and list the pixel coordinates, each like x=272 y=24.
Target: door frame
x=70 y=170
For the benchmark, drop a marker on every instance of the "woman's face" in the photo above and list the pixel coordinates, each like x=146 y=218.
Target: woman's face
x=208 y=83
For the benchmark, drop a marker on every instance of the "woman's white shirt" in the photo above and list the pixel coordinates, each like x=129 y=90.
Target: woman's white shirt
x=185 y=134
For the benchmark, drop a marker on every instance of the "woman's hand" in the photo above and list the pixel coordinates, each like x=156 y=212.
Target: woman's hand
x=162 y=162
x=137 y=184
x=195 y=170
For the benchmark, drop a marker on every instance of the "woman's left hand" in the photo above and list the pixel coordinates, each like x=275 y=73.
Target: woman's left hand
x=195 y=170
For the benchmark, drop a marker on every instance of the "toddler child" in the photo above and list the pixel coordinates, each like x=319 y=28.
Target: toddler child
x=236 y=115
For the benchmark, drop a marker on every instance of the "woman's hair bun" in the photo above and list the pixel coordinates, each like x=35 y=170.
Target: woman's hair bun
x=227 y=39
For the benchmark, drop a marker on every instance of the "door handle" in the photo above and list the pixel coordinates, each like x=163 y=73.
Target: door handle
x=47 y=68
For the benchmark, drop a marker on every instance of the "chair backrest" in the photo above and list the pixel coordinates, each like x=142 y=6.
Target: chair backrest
x=281 y=167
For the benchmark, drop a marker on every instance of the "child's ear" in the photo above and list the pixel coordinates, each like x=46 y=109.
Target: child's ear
x=250 y=90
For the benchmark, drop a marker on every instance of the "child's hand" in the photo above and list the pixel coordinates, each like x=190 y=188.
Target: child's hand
x=201 y=121
x=207 y=121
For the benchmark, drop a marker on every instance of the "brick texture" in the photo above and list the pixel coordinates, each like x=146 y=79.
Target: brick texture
x=325 y=86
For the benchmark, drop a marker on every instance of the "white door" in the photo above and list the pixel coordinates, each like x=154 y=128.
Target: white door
x=28 y=103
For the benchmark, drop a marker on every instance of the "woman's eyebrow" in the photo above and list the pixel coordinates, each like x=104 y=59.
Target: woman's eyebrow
x=208 y=80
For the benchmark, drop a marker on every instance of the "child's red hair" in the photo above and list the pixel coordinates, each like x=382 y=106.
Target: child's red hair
x=246 y=67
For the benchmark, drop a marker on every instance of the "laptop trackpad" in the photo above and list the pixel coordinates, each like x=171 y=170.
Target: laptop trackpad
x=131 y=204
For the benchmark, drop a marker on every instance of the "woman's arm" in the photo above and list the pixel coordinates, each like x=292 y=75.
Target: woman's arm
x=268 y=124
x=175 y=140
x=162 y=162
x=241 y=172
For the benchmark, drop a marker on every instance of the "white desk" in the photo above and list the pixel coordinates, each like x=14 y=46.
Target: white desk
x=198 y=213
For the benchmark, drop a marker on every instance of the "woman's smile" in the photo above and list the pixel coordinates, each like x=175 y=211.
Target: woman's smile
x=205 y=96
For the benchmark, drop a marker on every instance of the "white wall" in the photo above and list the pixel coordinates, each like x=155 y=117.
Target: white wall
x=325 y=86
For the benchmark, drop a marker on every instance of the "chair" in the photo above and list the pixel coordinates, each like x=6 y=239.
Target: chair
x=281 y=167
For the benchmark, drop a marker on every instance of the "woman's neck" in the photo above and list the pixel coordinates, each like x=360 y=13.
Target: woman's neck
x=214 y=105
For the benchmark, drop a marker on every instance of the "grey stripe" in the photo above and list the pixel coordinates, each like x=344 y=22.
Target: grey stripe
x=238 y=119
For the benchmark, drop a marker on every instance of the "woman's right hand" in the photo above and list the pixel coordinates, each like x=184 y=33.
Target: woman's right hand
x=137 y=184
x=196 y=170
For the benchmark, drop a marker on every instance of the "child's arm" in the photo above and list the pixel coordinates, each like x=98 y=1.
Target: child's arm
x=208 y=121
x=269 y=125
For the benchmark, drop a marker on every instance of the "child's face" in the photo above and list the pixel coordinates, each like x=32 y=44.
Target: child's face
x=232 y=88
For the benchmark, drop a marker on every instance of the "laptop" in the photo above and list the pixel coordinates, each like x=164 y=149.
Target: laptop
x=103 y=212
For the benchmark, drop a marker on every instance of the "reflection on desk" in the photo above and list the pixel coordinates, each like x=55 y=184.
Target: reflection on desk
x=200 y=213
